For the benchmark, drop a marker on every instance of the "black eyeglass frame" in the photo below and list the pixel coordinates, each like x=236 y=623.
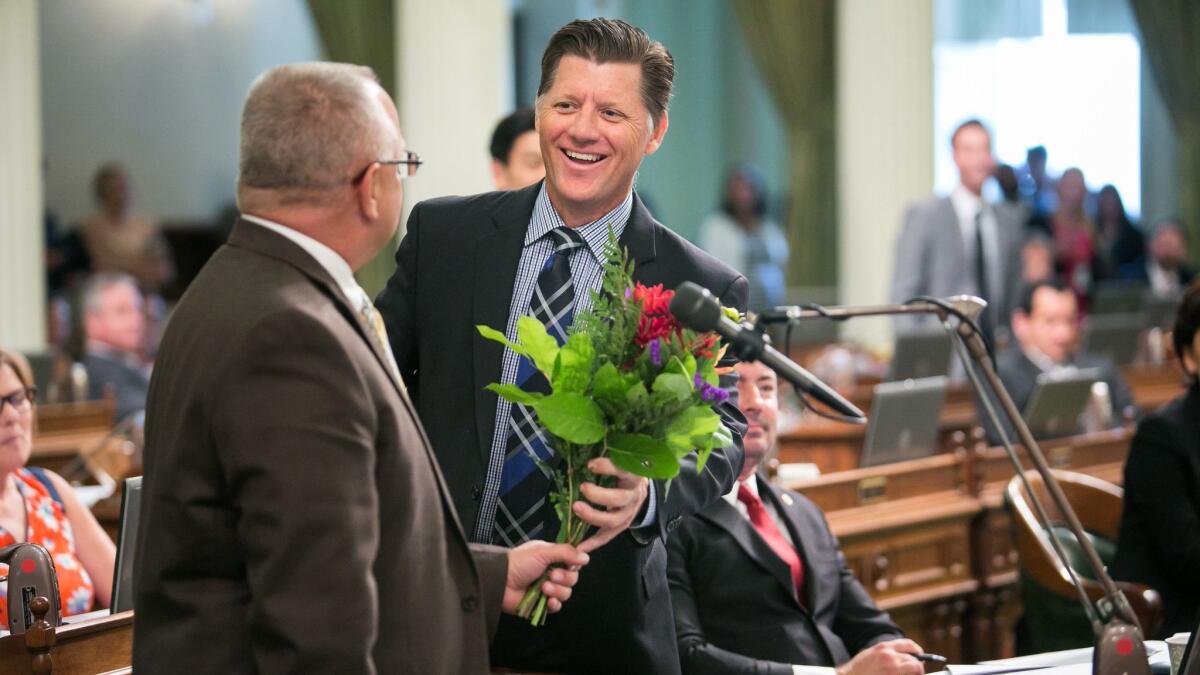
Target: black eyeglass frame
x=411 y=160
x=27 y=397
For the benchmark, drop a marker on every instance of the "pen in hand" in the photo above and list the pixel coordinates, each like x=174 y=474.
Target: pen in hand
x=930 y=658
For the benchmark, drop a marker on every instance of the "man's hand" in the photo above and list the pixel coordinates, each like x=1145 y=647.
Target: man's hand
x=622 y=502
x=885 y=658
x=527 y=562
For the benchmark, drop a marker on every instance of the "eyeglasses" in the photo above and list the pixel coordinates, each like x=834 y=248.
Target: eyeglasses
x=21 y=400
x=405 y=168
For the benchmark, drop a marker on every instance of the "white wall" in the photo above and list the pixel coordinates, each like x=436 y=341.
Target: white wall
x=22 y=274
x=157 y=86
x=885 y=142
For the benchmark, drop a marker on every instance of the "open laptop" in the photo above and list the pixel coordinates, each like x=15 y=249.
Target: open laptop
x=1115 y=336
x=122 y=589
x=1057 y=402
x=904 y=421
x=921 y=354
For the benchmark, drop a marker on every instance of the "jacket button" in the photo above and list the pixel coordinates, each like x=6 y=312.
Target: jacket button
x=673 y=524
x=476 y=492
x=469 y=603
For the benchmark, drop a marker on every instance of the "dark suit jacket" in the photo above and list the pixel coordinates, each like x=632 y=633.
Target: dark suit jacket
x=734 y=607
x=129 y=384
x=294 y=518
x=1019 y=376
x=457 y=266
x=1159 y=540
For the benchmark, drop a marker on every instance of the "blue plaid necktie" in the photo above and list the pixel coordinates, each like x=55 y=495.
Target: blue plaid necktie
x=524 y=510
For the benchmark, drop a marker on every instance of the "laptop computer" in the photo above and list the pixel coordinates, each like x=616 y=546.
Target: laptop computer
x=1115 y=336
x=921 y=354
x=1057 y=402
x=904 y=421
x=122 y=588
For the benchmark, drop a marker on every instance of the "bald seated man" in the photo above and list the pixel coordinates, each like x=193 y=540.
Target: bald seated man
x=758 y=582
x=293 y=517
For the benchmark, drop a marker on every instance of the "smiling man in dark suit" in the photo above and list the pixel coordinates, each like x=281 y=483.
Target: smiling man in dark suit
x=294 y=517
x=491 y=258
x=757 y=580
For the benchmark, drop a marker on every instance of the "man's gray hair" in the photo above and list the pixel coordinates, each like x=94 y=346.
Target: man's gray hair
x=97 y=284
x=306 y=127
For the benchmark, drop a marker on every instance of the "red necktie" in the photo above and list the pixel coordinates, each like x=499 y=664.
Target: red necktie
x=769 y=531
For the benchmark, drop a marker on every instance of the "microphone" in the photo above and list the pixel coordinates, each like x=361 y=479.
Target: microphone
x=697 y=309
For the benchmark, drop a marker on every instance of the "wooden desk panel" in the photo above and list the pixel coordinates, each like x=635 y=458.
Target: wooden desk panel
x=1152 y=386
x=96 y=646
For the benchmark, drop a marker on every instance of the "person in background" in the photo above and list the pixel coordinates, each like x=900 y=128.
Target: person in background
x=38 y=506
x=1037 y=187
x=1046 y=325
x=117 y=240
x=960 y=244
x=1166 y=269
x=1037 y=259
x=1118 y=241
x=764 y=557
x=1158 y=542
x=1073 y=233
x=516 y=153
x=114 y=326
x=742 y=236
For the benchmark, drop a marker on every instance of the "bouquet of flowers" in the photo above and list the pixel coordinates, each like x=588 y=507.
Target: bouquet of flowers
x=630 y=383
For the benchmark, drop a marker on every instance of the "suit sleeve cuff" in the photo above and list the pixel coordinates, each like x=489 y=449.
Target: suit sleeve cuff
x=651 y=515
x=492 y=563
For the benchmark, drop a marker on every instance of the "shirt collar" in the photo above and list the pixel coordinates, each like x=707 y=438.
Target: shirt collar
x=751 y=483
x=966 y=204
x=327 y=258
x=1044 y=363
x=595 y=234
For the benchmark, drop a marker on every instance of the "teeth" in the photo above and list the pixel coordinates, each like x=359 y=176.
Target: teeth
x=582 y=156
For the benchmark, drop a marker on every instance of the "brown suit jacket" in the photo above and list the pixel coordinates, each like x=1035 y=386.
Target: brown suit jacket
x=294 y=518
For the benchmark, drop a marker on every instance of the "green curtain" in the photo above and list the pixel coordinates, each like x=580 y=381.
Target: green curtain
x=792 y=44
x=363 y=32
x=1169 y=29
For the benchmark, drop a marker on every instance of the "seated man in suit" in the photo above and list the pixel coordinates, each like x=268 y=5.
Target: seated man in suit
x=757 y=580
x=1164 y=266
x=1046 y=326
x=115 y=326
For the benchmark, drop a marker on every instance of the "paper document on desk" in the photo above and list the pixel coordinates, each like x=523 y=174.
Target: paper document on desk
x=994 y=669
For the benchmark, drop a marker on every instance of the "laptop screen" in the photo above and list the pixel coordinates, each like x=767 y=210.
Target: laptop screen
x=122 y=592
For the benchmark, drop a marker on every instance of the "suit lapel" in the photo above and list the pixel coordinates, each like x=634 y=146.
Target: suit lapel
x=639 y=239
x=497 y=255
x=725 y=516
x=261 y=240
x=801 y=531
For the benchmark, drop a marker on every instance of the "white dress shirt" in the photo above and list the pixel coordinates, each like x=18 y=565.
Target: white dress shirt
x=966 y=206
x=752 y=484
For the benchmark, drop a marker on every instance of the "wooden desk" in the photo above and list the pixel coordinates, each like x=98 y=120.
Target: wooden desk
x=905 y=531
x=97 y=646
x=1152 y=386
x=65 y=430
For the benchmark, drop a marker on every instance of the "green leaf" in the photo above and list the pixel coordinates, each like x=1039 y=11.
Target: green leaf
x=511 y=392
x=607 y=385
x=635 y=392
x=642 y=455
x=496 y=336
x=575 y=418
x=540 y=346
x=672 y=387
x=692 y=428
x=573 y=367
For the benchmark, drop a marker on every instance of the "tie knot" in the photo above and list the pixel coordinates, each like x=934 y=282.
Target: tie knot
x=565 y=239
x=747 y=497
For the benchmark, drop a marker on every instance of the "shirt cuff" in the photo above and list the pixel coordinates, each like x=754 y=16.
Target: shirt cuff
x=651 y=508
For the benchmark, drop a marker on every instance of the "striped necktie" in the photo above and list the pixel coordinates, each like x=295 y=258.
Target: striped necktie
x=524 y=511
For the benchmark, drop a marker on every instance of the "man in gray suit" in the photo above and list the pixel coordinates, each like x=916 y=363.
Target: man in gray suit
x=294 y=517
x=960 y=243
x=115 y=328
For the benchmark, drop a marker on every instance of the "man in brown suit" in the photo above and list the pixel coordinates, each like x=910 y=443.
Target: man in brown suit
x=294 y=517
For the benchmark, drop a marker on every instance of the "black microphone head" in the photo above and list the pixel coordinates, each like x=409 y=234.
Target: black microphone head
x=695 y=307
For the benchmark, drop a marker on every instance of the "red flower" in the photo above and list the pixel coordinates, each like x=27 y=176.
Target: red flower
x=656 y=320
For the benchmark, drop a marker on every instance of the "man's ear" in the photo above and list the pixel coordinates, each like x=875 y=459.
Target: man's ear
x=498 y=178
x=366 y=193
x=660 y=130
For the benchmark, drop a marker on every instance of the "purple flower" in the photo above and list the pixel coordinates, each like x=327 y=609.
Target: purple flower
x=712 y=394
x=655 y=352
x=698 y=382
x=628 y=293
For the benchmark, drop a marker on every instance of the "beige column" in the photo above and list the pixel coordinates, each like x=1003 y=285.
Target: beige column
x=22 y=265
x=454 y=69
x=885 y=143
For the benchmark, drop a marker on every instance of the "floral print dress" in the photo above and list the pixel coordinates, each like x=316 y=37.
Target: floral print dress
x=48 y=526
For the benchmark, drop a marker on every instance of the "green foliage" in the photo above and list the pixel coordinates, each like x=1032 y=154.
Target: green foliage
x=512 y=392
x=540 y=346
x=572 y=417
x=643 y=455
x=573 y=366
